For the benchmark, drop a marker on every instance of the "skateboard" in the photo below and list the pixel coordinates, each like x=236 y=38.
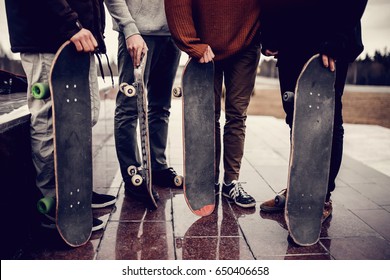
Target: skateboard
x=140 y=174
x=197 y=93
x=72 y=137
x=311 y=144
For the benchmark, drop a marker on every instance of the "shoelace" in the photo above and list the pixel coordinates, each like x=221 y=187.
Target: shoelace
x=238 y=191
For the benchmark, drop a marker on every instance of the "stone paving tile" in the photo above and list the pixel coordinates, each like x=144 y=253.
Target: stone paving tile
x=377 y=219
x=350 y=198
x=359 y=248
x=212 y=248
x=145 y=240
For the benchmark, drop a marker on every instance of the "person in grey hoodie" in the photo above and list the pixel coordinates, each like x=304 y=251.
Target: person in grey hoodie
x=142 y=28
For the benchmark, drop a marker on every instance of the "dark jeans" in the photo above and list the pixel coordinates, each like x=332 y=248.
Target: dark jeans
x=160 y=72
x=288 y=75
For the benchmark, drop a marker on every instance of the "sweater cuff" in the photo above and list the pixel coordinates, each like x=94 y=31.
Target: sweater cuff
x=130 y=30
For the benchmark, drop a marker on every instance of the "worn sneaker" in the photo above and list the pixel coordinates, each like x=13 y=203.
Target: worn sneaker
x=49 y=222
x=235 y=192
x=102 y=200
x=167 y=178
x=276 y=204
x=328 y=209
x=140 y=192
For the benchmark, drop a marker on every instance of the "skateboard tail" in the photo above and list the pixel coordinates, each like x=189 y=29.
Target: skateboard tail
x=301 y=227
x=200 y=207
x=76 y=238
x=205 y=210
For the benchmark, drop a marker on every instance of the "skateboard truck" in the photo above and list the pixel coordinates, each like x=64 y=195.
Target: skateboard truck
x=288 y=96
x=128 y=90
x=177 y=92
x=136 y=178
x=280 y=200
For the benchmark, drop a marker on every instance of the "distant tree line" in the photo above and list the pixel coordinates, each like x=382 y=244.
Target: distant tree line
x=370 y=70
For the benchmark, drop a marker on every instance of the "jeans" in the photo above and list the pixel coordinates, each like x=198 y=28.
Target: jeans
x=162 y=62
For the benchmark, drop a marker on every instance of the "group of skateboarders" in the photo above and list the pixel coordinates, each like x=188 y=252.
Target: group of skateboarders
x=231 y=33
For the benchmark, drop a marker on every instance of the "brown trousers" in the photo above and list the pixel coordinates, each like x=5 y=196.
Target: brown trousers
x=238 y=73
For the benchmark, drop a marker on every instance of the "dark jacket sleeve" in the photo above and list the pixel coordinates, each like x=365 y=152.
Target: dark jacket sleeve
x=343 y=36
x=68 y=18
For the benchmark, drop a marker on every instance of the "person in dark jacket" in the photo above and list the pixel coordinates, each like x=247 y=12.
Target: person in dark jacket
x=37 y=29
x=293 y=31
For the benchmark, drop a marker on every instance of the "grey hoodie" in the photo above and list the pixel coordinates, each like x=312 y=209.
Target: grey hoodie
x=145 y=17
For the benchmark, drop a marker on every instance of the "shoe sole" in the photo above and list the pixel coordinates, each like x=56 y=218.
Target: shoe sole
x=53 y=226
x=109 y=203
x=271 y=209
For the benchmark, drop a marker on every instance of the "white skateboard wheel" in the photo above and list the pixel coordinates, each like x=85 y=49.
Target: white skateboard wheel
x=132 y=170
x=136 y=180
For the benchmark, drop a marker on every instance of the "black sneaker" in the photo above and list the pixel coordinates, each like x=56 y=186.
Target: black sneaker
x=102 y=200
x=140 y=192
x=49 y=222
x=235 y=192
x=167 y=178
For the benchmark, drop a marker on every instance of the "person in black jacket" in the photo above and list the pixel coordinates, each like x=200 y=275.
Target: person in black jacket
x=37 y=29
x=293 y=31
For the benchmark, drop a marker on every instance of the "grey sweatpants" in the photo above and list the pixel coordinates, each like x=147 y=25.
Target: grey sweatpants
x=37 y=68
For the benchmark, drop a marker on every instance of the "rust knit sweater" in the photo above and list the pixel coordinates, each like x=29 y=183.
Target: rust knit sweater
x=228 y=26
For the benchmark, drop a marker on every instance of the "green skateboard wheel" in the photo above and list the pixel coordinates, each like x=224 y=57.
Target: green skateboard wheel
x=45 y=204
x=40 y=90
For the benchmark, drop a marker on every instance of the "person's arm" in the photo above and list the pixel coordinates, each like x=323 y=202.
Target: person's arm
x=71 y=28
x=182 y=27
x=345 y=19
x=134 y=42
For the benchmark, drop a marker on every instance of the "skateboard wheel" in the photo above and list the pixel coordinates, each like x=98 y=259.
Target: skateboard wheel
x=178 y=181
x=45 y=204
x=136 y=180
x=122 y=86
x=280 y=200
x=132 y=170
x=129 y=90
x=288 y=96
x=177 y=92
x=40 y=90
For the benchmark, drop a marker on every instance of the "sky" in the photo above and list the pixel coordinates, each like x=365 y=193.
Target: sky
x=375 y=25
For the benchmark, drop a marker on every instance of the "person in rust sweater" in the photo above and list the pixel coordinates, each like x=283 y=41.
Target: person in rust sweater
x=228 y=32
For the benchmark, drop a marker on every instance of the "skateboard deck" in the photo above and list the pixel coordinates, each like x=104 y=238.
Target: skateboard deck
x=311 y=145
x=140 y=174
x=199 y=136
x=72 y=137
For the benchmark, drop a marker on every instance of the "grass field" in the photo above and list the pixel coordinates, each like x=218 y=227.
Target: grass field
x=362 y=105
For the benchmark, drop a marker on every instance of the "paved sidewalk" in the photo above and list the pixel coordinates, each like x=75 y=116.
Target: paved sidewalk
x=358 y=229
